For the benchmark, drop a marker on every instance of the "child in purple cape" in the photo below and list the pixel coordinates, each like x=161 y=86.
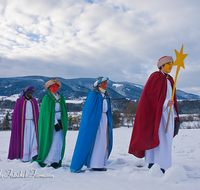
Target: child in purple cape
x=24 y=135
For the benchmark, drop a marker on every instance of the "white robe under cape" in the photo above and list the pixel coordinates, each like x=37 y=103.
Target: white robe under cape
x=161 y=155
x=30 y=140
x=54 y=154
x=100 y=154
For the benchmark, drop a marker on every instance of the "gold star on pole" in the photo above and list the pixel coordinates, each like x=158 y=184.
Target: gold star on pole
x=179 y=58
x=179 y=62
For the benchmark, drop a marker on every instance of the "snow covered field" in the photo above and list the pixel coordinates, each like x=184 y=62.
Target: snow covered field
x=122 y=172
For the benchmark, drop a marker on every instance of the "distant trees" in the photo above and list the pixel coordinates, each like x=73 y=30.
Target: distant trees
x=127 y=117
x=119 y=119
x=116 y=119
x=7 y=104
x=189 y=107
x=189 y=118
x=74 y=122
x=130 y=112
x=6 y=122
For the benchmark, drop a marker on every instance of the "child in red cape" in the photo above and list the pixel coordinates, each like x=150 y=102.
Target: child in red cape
x=149 y=139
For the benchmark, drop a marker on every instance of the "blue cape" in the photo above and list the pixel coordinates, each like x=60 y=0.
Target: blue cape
x=90 y=122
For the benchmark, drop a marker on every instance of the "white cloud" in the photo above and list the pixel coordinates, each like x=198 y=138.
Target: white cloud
x=121 y=39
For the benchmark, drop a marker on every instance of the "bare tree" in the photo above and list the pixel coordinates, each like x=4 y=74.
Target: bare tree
x=130 y=112
x=6 y=122
x=116 y=119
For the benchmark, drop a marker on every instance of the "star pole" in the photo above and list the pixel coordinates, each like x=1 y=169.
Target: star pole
x=179 y=62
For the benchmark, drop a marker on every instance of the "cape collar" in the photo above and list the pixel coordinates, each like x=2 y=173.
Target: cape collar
x=102 y=90
x=53 y=97
x=101 y=96
x=167 y=75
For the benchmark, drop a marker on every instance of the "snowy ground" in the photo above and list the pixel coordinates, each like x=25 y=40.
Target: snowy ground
x=122 y=172
x=13 y=97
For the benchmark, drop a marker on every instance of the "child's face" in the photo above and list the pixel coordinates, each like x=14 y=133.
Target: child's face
x=54 y=88
x=167 y=67
x=103 y=84
x=29 y=93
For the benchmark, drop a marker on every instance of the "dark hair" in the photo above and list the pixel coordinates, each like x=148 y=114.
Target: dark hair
x=96 y=89
x=160 y=68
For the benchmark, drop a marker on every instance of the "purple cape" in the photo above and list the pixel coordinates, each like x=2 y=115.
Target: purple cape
x=18 y=125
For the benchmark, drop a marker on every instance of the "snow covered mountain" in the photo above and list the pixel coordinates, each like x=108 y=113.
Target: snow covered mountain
x=77 y=88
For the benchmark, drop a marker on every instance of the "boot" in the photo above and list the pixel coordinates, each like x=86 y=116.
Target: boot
x=55 y=165
x=99 y=169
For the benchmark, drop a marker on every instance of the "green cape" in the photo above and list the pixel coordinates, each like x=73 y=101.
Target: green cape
x=46 y=125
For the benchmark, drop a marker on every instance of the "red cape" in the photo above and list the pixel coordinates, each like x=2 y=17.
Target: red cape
x=149 y=112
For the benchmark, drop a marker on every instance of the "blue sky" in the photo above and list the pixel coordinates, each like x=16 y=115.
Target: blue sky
x=120 y=39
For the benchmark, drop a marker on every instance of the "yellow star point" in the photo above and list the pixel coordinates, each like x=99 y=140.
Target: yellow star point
x=179 y=58
x=179 y=62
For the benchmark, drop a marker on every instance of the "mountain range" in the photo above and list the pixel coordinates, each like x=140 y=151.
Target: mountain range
x=78 y=88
